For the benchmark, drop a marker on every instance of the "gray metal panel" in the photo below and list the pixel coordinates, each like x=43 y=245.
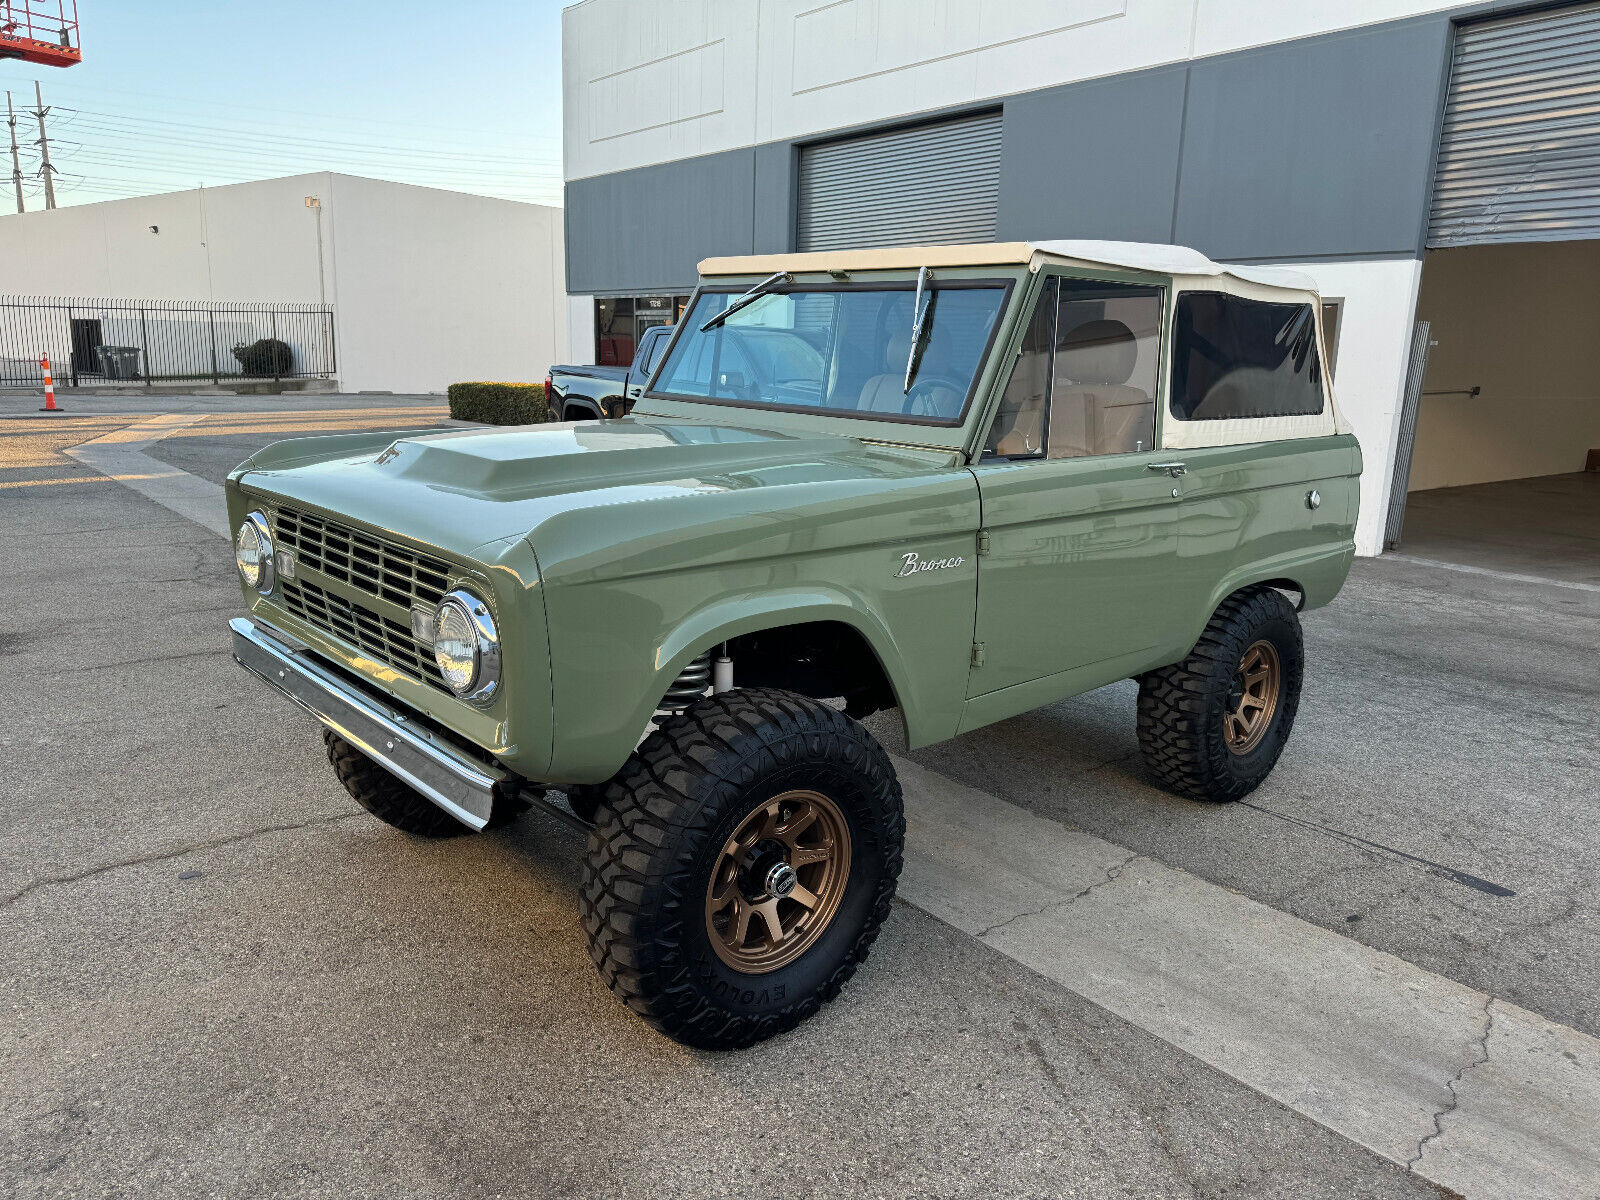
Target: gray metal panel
x=1410 y=405
x=1093 y=160
x=774 y=198
x=1315 y=147
x=1519 y=152
x=928 y=184
x=644 y=230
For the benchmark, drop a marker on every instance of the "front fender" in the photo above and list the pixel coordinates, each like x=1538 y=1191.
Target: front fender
x=607 y=686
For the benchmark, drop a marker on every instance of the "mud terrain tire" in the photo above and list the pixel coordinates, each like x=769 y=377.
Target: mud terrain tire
x=1202 y=733
x=659 y=857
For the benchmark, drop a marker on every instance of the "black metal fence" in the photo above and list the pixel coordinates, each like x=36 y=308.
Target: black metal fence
x=94 y=341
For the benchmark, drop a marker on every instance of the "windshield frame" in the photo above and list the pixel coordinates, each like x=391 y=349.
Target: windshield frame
x=1005 y=285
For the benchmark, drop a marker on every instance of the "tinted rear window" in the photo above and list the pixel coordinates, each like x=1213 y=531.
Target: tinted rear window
x=1234 y=358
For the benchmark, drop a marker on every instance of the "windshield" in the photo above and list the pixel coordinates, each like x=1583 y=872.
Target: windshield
x=839 y=349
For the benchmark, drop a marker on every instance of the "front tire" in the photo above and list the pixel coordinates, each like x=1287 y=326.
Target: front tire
x=1212 y=726
x=741 y=865
x=396 y=802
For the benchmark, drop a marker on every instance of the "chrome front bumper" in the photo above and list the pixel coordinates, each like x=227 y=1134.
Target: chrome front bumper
x=460 y=785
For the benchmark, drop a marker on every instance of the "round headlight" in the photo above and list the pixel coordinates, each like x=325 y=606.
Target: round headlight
x=466 y=647
x=252 y=553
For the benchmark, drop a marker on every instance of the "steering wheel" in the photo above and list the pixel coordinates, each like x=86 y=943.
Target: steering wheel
x=921 y=401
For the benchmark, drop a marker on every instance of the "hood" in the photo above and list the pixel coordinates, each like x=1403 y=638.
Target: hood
x=460 y=490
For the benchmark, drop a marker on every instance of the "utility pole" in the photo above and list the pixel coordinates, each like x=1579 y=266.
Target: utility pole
x=45 y=169
x=16 y=163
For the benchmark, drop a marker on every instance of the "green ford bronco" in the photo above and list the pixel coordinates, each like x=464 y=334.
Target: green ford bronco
x=956 y=482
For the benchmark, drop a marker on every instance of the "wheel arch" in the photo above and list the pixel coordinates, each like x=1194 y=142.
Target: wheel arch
x=744 y=617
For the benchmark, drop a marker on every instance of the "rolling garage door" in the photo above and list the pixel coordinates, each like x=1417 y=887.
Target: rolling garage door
x=937 y=183
x=1519 y=155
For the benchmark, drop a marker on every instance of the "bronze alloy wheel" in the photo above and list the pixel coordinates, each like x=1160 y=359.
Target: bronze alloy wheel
x=778 y=881
x=1253 y=697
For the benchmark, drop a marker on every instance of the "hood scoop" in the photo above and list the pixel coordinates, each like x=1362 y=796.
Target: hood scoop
x=516 y=463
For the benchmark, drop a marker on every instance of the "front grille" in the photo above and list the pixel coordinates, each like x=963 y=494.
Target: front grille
x=364 y=563
x=370 y=564
x=377 y=636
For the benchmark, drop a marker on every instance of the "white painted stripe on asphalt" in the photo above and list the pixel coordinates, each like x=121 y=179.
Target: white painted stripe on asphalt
x=122 y=456
x=1464 y=1089
x=1514 y=576
x=1358 y=1040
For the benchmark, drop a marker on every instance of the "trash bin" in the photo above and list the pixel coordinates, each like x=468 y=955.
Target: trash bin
x=118 y=362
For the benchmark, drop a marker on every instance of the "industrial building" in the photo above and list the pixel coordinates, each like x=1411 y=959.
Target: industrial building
x=374 y=286
x=1434 y=166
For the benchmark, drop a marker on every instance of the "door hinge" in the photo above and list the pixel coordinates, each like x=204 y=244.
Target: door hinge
x=977 y=654
x=983 y=541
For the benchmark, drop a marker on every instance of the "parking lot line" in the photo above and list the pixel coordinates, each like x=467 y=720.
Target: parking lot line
x=1513 y=576
x=1462 y=1088
x=122 y=456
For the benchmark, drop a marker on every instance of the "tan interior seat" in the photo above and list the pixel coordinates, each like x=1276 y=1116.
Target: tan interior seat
x=1093 y=409
x=886 y=392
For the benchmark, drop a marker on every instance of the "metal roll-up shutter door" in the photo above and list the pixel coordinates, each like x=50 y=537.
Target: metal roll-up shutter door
x=1519 y=155
x=936 y=183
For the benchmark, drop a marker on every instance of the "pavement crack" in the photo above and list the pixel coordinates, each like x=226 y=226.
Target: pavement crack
x=1110 y=875
x=179 y=852
x=1480 y=1051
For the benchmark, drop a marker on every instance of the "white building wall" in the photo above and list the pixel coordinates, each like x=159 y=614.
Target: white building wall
x=436 y=287
x=246 y=241
x=429 y=287
x=580 y=329
x=650 y=83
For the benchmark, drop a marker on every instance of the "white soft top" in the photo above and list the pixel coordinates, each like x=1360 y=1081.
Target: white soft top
x=1136 y=256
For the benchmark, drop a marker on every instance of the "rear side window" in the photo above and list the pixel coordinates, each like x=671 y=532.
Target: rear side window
x=652 y=351
x=1234 y=358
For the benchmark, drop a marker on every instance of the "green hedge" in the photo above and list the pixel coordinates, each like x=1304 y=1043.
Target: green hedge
x=499 y=403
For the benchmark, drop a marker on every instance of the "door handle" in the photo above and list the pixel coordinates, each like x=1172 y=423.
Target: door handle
x=1171 y=468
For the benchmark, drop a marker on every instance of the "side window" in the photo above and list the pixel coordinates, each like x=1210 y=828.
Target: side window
x=652 y=351
x=1107 y=364
x=1019 y=425
x=1235 y=358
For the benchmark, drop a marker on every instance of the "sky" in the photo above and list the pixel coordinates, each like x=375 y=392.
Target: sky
x=179 y=93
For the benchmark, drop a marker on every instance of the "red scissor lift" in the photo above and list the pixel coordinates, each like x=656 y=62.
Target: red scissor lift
x=44 y=32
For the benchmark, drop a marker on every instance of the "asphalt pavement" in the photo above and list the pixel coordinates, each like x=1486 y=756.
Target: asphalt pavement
x=222 y=977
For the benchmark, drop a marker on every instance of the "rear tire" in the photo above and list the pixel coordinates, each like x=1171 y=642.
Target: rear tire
x=741 y=865
x=392 y=800
x=1212 y=726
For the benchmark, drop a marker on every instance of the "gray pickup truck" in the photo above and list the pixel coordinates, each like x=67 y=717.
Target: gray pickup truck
x=592 y=393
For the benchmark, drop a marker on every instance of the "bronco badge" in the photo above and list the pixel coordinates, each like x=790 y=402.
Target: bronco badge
x=911 y=563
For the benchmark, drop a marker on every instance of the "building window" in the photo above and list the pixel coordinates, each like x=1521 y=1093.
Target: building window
x=620 y=321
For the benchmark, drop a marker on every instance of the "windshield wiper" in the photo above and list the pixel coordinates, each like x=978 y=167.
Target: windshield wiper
x=919 y=311
x=745 y=301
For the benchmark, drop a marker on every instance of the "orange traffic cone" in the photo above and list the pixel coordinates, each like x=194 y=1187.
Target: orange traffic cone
x=49 y=388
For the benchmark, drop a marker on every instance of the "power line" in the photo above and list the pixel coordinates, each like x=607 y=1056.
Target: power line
x=73 y=85
x=121 y=154
x=118 y=124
